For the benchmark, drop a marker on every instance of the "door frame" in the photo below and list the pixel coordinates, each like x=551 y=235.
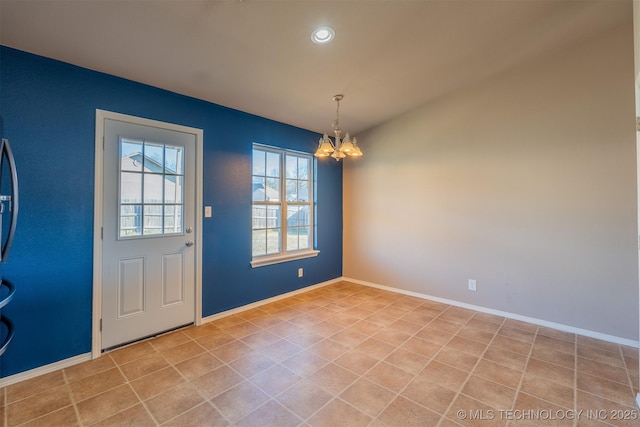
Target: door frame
x=101 y=116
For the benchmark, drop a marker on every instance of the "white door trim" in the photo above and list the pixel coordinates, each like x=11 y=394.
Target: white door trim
x=101 y=116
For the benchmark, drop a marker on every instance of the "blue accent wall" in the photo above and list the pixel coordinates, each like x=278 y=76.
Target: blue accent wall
x=48 y=113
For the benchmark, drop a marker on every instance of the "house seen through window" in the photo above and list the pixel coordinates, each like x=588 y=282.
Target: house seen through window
x=282 y=209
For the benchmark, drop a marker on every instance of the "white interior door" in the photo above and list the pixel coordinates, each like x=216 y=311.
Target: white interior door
x=148 y=262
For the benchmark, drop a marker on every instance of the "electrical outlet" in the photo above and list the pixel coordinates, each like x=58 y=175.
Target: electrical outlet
x=300 y=272
x=208 y=212
x=472 y=285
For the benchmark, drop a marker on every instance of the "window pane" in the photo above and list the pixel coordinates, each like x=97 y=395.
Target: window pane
x=272 y=191
x=173 y=160
x=273 y=216
x=130 y=155
x=273 y=241
x=152 y=220
x=130 y=220
x=153 y=158
x=303 y=217
x=259 y=193
x=152 y=188
x=292 y=239
x=259 y=161
x=130 y=187
x=303 y=191
x=173 y=187
x=273 y=165
x=292 y=216
x=259 y=217
x=292 y=190
x=303 y=238
x=292 y=167
x=303 y=168
x=259 y=242
x=173 y=219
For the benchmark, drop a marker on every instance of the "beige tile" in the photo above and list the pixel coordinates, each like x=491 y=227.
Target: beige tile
x=231 y=351
x=368 y=397
x=252 y=363
x=599 y=344
x=429 y=394
x=498 y=373
x=217 y=381
x=132 y=352
x=348 y=338
x=167 y=341
x=329 y=349
x=37 y=405
x=243 y=330
x=356 y=361
x=333 y=378
x=467 y=411
x=339 y=413
x=549 y=391
x=610 y=390
x=554 y=344
x=214 y=340
x=87 y=369
x=240 y=401
x=281 y=350
x=34 y=386
x=275 y=380
x=403 y=412
x=304 y=363
x=457 y=359
x=151 y=385
x=202 y=415
x=489 y=392
x=475 y=334
x=174 y=402
x=551 y=372
x=406 y=327
x=270 y=414
x=389 y=376
x=144 y=365
x=510 y=344
x=444 y=375
x=135 y=416
x=465 y=345
x=556 y=334
x=198 y=365
x=407 y=360
x=392 y=336
x=62 y=417
x=183 y=352
x=539 y=412
x=106 y=404
x=601 y=355
x=194 y=332
x=602 y=409
x=506 y=358
x=95 y=384
x=602 y=370
x=553 y=356
x=304 y=398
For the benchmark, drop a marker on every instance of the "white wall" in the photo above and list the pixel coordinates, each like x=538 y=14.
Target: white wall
x=525 y=182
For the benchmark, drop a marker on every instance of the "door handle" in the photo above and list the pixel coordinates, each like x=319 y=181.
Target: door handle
x=189 y=243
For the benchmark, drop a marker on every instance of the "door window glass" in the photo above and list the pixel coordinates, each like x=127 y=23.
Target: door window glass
x=151 y=189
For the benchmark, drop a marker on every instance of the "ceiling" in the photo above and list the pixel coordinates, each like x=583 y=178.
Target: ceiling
x=388 y=57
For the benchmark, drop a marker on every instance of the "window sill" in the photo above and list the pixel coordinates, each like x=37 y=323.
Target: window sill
x=276 y=259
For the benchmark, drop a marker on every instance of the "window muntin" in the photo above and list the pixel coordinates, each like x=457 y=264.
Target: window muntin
x=151 y=189
x=282 y=185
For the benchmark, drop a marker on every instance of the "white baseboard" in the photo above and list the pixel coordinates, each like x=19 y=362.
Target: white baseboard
x=539 y=322
x=32 y=373
x=268 y=300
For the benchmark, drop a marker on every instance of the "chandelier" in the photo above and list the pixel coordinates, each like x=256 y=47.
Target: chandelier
x=341 y=147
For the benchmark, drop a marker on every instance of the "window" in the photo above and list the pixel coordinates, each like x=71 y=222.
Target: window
x=151 y=189
x=282 y=183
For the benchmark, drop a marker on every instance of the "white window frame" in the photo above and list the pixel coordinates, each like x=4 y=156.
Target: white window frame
x=284 y=255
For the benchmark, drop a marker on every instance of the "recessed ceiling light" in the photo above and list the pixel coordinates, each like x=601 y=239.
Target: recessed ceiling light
x=323 y=35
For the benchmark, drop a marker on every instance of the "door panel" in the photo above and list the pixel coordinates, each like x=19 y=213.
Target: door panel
x=148 y=280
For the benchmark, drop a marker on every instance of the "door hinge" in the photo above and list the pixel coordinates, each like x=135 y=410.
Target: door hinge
x=103 y=143
x=101 y=233
x=100 y=325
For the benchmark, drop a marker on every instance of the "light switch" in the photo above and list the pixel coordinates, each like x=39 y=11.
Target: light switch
x=207 y=212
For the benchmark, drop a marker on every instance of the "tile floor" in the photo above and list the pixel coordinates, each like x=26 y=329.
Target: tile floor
x=343 y=355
